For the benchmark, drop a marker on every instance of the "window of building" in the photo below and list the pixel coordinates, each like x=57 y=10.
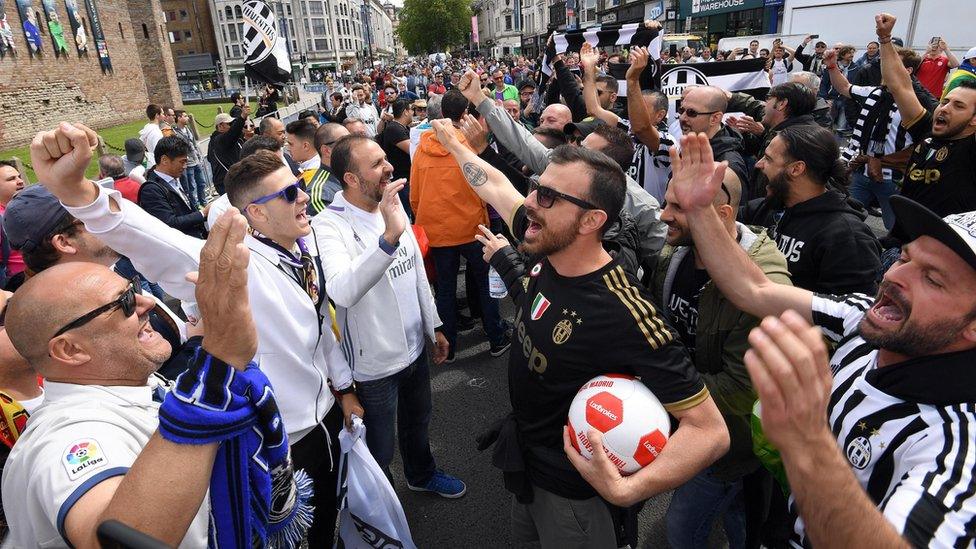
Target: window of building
x=187 y=35
x=229 y=12
x=236 y=49
x=145 y=31
x=321 y=44
x=288 y=9
x=227 y=49
x=294 y=45
x=318 y=27
x=233 y=32
x=316 y=8
x=184 y=15
x=237 y=12
x=174 y=37
x=171 y=16
x=121 y=32
x=223 y=31
x=508 y=24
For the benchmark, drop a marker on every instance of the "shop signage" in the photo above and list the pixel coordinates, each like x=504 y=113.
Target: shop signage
x=703 y=8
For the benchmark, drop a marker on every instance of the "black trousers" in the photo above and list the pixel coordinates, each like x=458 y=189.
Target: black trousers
x=318 y=454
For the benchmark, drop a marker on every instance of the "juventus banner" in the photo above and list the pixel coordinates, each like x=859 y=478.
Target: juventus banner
x=619 y=35
x=267 y=54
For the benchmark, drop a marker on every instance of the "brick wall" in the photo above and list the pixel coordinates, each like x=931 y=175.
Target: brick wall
x=36 y=93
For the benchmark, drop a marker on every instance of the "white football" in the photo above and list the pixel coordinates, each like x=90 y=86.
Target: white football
x=635 y=426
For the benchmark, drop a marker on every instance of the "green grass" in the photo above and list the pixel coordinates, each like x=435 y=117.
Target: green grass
x=115 y=136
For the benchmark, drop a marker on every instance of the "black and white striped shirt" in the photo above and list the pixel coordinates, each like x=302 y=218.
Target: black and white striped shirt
x=907 y=430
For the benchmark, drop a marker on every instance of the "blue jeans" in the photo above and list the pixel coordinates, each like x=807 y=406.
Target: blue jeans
x=447 y=262
x=400 y=401
x=863 y=189
x=194 y=185
x=693 y=509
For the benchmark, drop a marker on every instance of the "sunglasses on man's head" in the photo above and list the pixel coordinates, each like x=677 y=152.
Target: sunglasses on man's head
x=289 y=193
x=546 y=197
x=126 y=301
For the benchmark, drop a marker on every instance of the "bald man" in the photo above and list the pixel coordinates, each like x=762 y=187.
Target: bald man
x=701 y=110
x=95 y=442
x=555 y=116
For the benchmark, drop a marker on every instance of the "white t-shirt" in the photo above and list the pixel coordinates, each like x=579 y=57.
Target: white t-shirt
x=780 y=71
x=81 y=436
x=403 y=275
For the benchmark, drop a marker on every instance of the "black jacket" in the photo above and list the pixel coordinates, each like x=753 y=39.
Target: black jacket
x=727 y=145
x=162 y=202
x=224 y=151
x=828 y=247
x=565 y=84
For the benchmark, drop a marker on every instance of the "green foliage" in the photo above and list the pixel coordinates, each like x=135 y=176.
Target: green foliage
x=428 y=26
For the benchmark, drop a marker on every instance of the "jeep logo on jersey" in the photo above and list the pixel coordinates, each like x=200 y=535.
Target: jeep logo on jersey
x=859 y=452
x=604 y=411
x=674 y=81
x=373 y=536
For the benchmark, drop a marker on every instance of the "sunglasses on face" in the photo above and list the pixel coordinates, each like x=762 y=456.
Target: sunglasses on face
x=126 y=301
x=289 y=193
x=692 y=113
x=546 y=197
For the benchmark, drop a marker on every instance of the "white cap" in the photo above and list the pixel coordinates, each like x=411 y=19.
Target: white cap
x=970 y=54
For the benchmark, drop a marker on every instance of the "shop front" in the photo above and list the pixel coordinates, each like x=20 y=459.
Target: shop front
x=717 y=19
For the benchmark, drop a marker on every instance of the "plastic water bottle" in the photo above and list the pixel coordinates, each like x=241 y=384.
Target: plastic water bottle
x=496 y=286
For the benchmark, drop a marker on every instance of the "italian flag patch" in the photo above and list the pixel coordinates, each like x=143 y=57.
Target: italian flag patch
x=539 y=306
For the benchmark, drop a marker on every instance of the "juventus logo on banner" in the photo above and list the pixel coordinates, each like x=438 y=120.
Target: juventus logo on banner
x=267 y=54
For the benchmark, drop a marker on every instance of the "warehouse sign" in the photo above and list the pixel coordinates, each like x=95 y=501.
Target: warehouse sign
x=703 y=8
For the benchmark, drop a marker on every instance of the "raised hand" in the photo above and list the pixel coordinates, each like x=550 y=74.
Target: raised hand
x=474 y=133
x=695 y=176
x=491 y=242
x=60 y=158
x=788 y=364
x=638 y=62
x=393 y=215
x=470 y=86
x=830 y=57
x=884 y=24
x=589 y=56
x=746 y=123
x=445 y=131
x=222 y=297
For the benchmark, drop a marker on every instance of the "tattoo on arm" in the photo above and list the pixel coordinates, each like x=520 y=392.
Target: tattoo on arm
x=475 y=175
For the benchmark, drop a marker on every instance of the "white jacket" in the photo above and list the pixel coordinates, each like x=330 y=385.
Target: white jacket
x=296 y=348
x=374 y=341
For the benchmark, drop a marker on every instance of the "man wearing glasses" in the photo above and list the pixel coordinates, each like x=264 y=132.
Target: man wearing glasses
x=715 y=332
x=503 y=91
x=701 y=110
x=296 y=346
x=569 y=307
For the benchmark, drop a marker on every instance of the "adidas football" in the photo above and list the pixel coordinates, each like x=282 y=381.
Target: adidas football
x=635 y=426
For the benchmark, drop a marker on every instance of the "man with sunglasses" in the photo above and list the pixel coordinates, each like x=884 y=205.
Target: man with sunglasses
x=297 y=348
x=503 y=91
x=715 y=332
x=323 y=185
x=701 y=110
x=578 y=315
x=96 y=441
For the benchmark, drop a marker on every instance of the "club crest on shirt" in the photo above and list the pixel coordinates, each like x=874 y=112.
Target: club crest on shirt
x=859 y=452
x=942 y=154
x=83 y=456
x=562 y=331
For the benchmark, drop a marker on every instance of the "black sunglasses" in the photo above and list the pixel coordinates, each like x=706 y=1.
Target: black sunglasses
x=289 y=193
x=546 y=197
x=692 y=113
x=126 y=301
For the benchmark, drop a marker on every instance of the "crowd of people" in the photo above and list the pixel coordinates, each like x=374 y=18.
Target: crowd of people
x=718 y=248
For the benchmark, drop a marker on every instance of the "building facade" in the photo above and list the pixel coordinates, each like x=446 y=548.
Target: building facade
x=101 y=81
x=322 y=36
x=499 y=27
x=190 y=32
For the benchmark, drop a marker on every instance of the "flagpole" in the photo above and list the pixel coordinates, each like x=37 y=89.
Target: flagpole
x=247 y=91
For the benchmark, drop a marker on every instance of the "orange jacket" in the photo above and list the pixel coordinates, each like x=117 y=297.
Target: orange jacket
x=442 y=200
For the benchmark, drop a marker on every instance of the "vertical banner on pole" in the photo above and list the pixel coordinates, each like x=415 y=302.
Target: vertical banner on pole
x=78 y=34
x=54 y=25
x=474 y=30
x=6 y=34
x=99 y=35
x=31 y=31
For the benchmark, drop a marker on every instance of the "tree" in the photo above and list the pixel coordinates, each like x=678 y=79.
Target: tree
x=428 y=26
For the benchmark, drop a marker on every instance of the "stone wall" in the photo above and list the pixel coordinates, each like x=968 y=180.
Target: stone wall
x=36 y=93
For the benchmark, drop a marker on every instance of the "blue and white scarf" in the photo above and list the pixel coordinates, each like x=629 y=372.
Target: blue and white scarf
x=256 y=499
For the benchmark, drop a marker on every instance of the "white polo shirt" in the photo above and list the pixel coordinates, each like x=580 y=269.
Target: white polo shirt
x=80 y=436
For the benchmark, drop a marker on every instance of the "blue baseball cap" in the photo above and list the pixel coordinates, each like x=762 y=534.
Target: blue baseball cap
x=32 y=215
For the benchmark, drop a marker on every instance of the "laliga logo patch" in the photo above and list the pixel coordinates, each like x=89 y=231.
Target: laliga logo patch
x=81 y=457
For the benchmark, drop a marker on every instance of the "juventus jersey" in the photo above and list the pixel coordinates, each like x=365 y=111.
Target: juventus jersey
x=906 y=430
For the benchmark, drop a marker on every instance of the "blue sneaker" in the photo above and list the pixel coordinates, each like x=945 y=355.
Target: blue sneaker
x=443 y=485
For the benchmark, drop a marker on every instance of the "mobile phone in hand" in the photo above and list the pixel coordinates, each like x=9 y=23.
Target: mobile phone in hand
x=935 y=40
x=814 y=36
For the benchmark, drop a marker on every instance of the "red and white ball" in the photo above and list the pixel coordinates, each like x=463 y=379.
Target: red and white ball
x=635 y=426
